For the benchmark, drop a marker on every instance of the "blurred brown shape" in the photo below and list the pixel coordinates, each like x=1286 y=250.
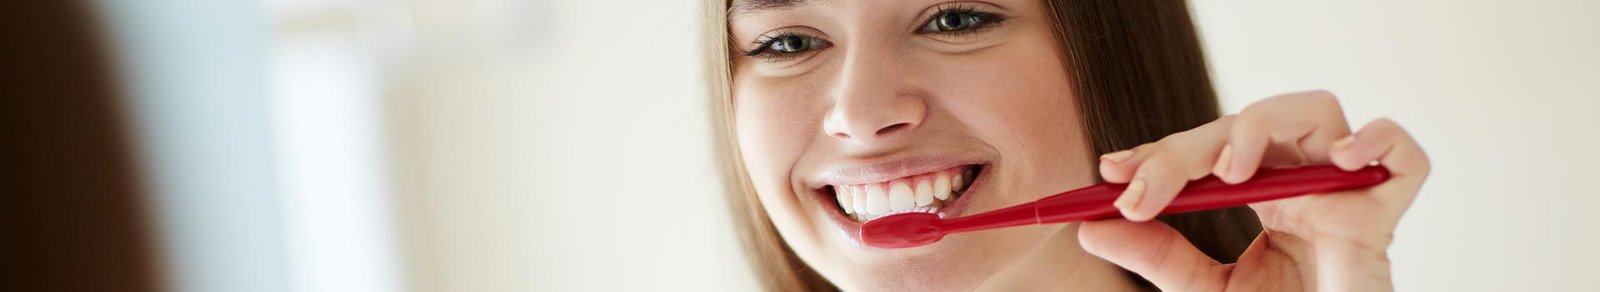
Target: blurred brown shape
x=71 y=214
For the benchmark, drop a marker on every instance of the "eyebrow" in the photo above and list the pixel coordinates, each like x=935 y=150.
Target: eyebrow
x=750 y=6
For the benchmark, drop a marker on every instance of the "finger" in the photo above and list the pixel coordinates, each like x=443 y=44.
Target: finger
x=1155 y=251
x=1154 y=185
x=1246 y=143
x=1269 y=263
x=1386 y=142
x=1288 y=130
x=1353 y=229
x=1168 y=165
x=1118 y=167
x=1153 y=182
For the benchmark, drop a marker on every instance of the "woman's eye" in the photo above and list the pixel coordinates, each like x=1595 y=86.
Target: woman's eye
x=956 y=20
x=786 y=45
x=790 y=44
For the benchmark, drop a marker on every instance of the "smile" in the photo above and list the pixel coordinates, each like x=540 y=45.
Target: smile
x=926 y=193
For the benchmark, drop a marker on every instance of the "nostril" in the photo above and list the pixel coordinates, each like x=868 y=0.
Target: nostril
x=892 y=128
x=841 y=135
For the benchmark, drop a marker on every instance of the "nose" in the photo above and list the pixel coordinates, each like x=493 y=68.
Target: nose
x=872 y=99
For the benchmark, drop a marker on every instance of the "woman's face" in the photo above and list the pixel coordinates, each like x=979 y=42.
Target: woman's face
x=851 y=110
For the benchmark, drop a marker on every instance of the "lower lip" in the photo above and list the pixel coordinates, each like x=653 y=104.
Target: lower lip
x=852 y=229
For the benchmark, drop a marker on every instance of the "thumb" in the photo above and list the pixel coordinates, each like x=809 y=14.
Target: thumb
x=1155 y=251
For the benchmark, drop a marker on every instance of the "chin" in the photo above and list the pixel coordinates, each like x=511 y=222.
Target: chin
x=954 y=264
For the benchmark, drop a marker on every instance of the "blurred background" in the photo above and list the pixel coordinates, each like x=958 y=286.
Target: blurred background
x=515 y=145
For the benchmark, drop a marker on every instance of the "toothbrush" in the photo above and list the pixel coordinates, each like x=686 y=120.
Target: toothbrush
x=1095 y=203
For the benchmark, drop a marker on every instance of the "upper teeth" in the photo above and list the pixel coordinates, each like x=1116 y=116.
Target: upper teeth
x=919 y=193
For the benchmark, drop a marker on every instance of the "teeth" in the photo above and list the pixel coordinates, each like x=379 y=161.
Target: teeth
x=846 y=201
x=956 y=182
x=877 y=201
x=924 y=192
x=941 y=186
x=859 y=196
x=900 y=197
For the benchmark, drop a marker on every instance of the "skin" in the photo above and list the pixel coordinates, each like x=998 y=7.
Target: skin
x=1332 y=242
x=881 y=92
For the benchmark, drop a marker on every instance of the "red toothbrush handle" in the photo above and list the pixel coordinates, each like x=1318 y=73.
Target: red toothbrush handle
x=1095 y=202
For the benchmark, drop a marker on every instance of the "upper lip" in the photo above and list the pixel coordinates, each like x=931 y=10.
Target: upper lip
x=887 y=169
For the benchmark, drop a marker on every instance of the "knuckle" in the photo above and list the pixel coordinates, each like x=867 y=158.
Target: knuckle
x=1198 y=169
x=1220 y=126
x=1314 y=95
x=1160 y=256
x=1170 y=163
x=1326 y=103
x=1387 y=123
x=1226 y=120
x=1387 y=128
x=1245 y=117
x=1179 y=138
x=1321 y=95
x=1246 y=125
x=1423 y=164
x=1145 y=150
x=1318 y=100
x=1158 y=166
x=1321 y=102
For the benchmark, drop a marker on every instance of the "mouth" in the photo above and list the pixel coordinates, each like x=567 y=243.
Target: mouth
x=929 y=192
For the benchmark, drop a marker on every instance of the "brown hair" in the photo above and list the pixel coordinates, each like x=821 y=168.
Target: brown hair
x=1138 y=73
x=73 y=210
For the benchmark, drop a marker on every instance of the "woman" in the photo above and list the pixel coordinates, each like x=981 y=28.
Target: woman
x=833 y=113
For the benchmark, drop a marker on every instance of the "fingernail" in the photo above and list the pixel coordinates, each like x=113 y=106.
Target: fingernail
x=1344 y=142
x=1224 y=161
x=1131 y=195
x=1118 y=156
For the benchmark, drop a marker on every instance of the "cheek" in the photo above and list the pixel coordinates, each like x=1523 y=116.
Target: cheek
x=1037 y=101
x=1019 y=100
x=1020 y=85
x=1016 y=97
x=772 y=130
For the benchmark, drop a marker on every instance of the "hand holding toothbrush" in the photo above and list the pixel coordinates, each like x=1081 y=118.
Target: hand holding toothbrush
x=1332 y=242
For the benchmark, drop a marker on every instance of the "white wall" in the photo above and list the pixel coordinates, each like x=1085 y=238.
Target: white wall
x=558 y=146
x=1500 y=94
